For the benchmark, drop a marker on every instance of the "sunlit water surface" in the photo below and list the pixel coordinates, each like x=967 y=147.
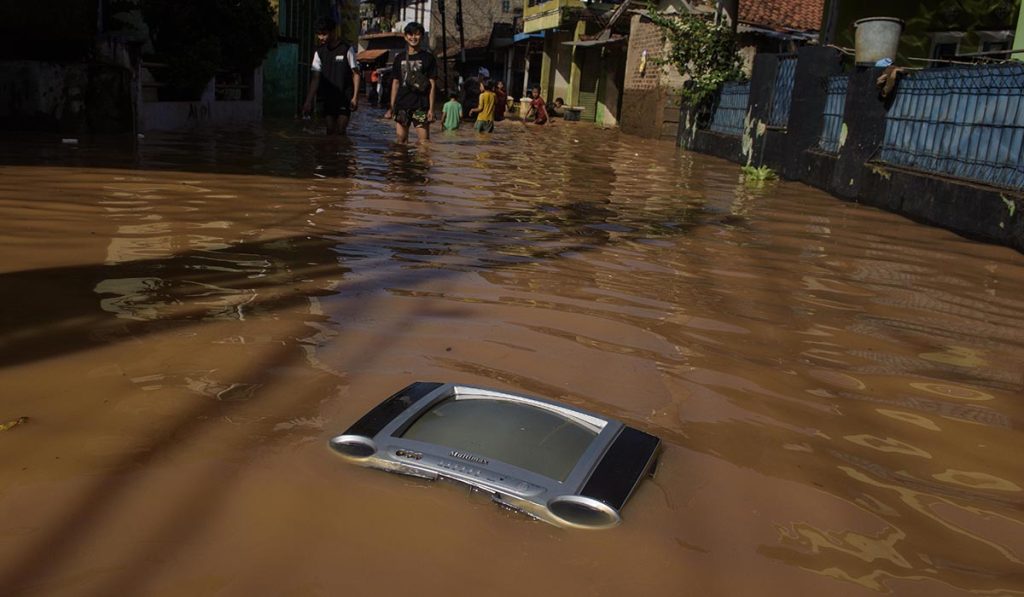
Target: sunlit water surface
x=185 y=323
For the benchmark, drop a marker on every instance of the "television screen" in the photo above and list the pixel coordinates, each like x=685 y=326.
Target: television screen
x=535 y=439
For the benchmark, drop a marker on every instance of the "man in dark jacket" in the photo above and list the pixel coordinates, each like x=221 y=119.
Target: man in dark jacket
x=335 y=78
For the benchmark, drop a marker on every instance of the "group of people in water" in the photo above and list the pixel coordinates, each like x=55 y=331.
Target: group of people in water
x=410 y=100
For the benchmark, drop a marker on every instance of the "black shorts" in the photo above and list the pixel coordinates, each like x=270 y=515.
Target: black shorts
x=335 y=105
x=416 y=118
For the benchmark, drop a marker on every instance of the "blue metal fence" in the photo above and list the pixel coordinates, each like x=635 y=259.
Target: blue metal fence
x=835 y=107
x=731 y=111
x=782 y=95
x=964 y=122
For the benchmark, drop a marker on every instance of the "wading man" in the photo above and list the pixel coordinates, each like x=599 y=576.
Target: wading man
x=335 y=78
x=414 y=73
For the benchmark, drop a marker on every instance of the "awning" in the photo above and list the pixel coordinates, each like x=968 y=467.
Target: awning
x=589 y=43
x=518 y=37
x=370 y=55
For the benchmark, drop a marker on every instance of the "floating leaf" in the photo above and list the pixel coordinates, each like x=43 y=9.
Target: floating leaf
x=12 y=424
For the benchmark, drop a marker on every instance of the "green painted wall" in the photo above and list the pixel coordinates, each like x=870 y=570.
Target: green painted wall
x=280 y=83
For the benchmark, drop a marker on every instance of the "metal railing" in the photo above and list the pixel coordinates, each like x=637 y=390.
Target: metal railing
x=731 y=112
x=832 y=118
x=963 y=122
x=782 y=93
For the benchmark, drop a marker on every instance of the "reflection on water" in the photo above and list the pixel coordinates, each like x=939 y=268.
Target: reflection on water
x=185 y=321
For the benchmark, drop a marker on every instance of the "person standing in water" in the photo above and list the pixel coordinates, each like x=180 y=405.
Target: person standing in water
x=413 y=88
x=500 y=101
x=452 y=113
x=335 y=78
x=485 y=108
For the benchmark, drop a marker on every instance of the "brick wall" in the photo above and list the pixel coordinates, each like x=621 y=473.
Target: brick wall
x=643 y=35
x=650 y=99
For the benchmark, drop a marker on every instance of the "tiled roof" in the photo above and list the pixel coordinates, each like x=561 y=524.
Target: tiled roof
x=802 y=15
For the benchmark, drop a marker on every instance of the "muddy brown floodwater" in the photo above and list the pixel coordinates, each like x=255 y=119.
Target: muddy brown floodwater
x=186 y=323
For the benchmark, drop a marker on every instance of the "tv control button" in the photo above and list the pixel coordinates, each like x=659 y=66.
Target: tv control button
x=527 y=489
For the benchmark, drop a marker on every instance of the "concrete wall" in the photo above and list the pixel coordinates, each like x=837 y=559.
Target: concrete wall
x=609 y=99
x=976 y=211
x=206 y=111
x=561 y=70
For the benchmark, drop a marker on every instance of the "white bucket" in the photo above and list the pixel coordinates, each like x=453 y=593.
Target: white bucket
x=877 y=38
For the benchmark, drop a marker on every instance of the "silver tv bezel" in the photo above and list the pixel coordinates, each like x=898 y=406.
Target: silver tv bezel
x=551 y=500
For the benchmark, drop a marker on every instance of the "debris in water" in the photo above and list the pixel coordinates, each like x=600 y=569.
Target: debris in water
x=12 y=424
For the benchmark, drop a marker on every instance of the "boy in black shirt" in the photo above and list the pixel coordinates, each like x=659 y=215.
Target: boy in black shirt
x=335 y=77
x=414 y=78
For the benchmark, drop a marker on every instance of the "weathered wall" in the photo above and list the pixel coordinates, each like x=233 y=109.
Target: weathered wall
x=281 y=94
x=609 y=99
x=561 y=66
x=207 y=111
x=976 y=211
x=73 y=99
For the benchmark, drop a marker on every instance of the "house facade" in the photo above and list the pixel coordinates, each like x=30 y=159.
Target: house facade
x=583 y=54
x=652 y=89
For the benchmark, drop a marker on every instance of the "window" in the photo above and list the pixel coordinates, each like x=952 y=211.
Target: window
x=946 y=51
x=506 y=5
x=996 y=41
x=945 y=46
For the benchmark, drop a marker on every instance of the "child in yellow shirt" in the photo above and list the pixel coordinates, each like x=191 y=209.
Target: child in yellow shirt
x=485 y=108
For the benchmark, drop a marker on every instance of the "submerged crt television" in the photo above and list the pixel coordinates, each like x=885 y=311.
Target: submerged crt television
x=554 y=462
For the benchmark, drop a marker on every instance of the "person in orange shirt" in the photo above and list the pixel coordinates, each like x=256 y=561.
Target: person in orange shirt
x=485 y=108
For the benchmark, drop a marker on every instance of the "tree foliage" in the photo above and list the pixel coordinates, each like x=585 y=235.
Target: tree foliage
x=701 y=49
x=197 y=38
x=963 y=15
